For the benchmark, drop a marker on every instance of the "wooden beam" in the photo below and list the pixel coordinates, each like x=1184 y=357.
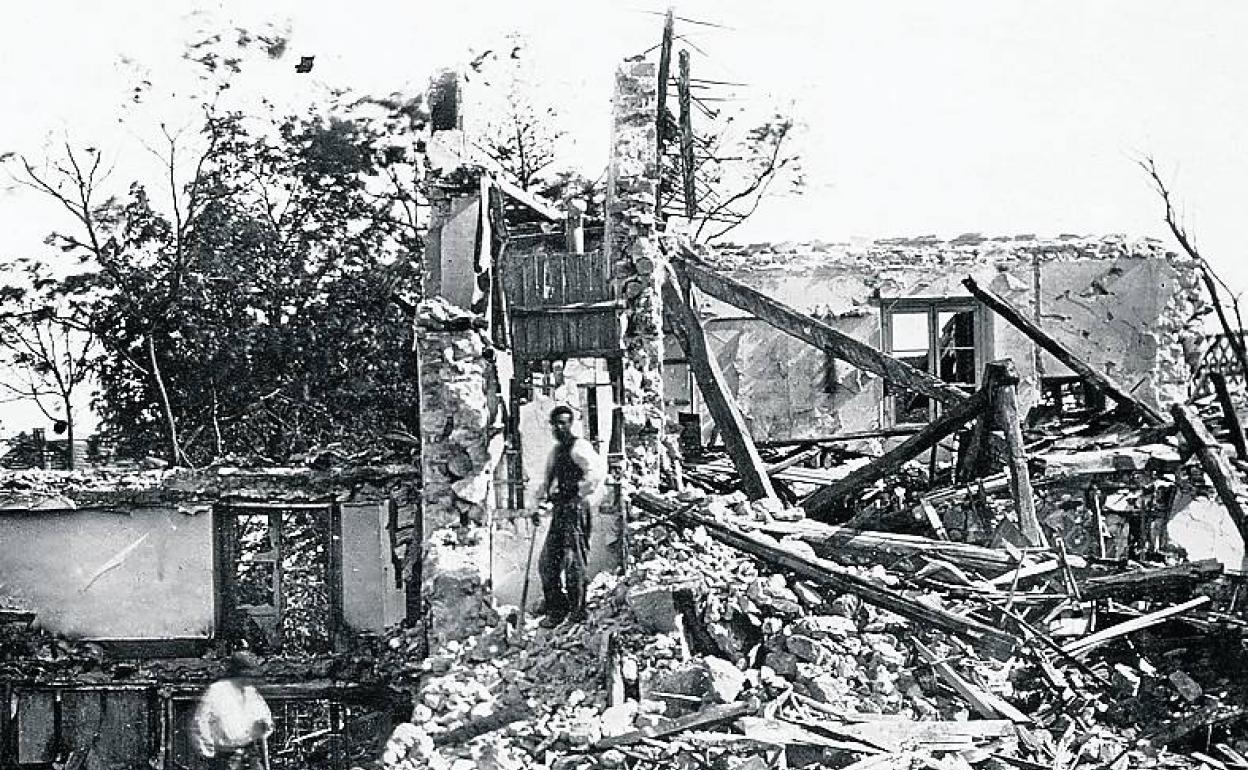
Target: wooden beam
x=892 y=461
x=719 y=400
x=708 y=716
x=867 y=546
x=1146 y=583
x=1230 y=417
x=1105 y=636
x=975 y=458
x=819 y=334
x=665 y=69
x=686 y=137
x=1003 y=387
x=986 y=704
x=1222 y=475
x=834 y=576
x=1018 y=320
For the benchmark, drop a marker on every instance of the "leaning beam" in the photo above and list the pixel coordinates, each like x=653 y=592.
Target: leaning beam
x=819 y=334
x=719 y=400
x=1015 y=317
x=1217 y=466
x=892 y=461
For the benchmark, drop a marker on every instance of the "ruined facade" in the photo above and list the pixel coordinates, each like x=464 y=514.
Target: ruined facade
x=1128 y=308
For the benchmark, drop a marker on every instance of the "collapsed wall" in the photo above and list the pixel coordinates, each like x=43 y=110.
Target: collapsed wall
x=1128 y=308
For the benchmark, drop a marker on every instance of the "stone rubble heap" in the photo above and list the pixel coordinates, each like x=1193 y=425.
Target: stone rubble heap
x=807 y=678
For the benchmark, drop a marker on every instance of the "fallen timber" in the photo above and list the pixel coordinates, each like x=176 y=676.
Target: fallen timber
x=833 y=576
x=1217 y=466
x=719 y=400
x=891 y=461
x=828 y=540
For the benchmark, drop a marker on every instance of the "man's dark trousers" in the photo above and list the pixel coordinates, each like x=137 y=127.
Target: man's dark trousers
x=562 y=565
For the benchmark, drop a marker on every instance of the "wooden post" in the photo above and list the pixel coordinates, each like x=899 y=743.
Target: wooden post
x=820 y=335
x=686 y=138
x=1005 y=399
x=719 y=400
x=975 y=460
x=574 y=227
x=1015 y=317
x=893 y=460
x=1217 y=467
x=665 y=71
x=1229 y=415
x=1092 y=499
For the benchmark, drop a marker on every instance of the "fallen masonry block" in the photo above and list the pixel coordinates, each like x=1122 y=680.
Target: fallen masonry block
x=655 y=607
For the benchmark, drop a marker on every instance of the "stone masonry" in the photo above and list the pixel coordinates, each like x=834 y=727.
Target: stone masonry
x=462 y=442
x=637 y=263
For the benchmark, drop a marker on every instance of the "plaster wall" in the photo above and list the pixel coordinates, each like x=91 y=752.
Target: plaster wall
x=161 y=587
x=453 y=236
x=1204 y=529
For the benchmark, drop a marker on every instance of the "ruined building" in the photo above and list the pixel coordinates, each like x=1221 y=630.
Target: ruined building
x=859 y=358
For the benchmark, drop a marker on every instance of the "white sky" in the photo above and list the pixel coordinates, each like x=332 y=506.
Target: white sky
x=999 y=117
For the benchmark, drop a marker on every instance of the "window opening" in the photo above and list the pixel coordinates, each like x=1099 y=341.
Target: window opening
x=942 y=337
x=280 y=587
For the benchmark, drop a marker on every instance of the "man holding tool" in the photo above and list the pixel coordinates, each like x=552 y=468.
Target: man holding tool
x=572 y=486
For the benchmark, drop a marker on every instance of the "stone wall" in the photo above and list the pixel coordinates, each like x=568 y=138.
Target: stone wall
x=461 y=444
x=638 y=265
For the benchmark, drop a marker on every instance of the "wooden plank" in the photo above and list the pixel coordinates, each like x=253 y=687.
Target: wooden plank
x=986 y=704
x=819 y=334
x=710 y=715
x=1229 y=417
x=1005 y=401
x=1107 y=635
x=1018 y=320
x=1225 y=479
x=719 y=400
x=831 y=542
x=893 y=460
x=833 y=576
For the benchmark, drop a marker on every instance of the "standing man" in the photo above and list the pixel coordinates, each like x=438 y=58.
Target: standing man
x=232 y=722
x=573 y=486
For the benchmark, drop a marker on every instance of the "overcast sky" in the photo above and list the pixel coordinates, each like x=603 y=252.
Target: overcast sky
x=920 y=117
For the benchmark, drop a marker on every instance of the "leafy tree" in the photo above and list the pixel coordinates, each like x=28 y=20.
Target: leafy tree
x=254 y=317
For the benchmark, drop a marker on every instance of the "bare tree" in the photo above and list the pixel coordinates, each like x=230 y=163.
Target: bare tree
x=736 y=175
x=520 y=130
x=52 y=357
x=1210 y=278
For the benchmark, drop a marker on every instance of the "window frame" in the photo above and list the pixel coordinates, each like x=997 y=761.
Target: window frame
x=933 y=307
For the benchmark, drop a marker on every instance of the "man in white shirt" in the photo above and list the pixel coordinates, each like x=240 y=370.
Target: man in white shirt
x=573 y=485
x=232 y=722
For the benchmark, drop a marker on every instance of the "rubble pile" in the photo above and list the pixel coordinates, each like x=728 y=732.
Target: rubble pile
x=706 y=655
